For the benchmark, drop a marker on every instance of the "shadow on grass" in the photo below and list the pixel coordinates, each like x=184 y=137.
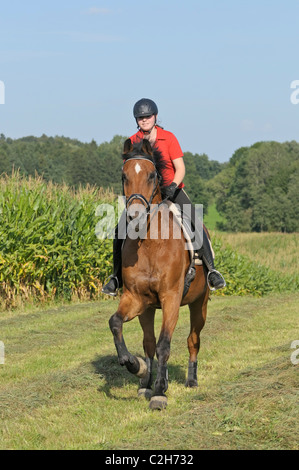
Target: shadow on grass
x=116 y=376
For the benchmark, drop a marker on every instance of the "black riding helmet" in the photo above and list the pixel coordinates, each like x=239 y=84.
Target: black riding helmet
x=144 y=108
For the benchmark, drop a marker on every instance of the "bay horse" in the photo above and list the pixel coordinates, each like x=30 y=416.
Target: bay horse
x=153 y=272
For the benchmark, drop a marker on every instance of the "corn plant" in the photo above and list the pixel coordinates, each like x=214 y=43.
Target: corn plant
x=48 y=246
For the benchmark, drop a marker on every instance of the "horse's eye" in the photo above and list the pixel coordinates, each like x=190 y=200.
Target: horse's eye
x=124 y=178
x=152 y=176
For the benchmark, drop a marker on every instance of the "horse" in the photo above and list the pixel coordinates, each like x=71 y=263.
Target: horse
x=153 y=272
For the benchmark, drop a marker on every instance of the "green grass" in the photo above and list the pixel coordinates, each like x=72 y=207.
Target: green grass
x=277 y=251
x=212 y=217
x=61 y=386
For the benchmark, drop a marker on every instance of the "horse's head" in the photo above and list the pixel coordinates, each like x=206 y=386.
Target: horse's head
x=141 y=178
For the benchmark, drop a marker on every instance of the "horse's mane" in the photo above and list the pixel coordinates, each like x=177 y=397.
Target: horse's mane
x=144 y=149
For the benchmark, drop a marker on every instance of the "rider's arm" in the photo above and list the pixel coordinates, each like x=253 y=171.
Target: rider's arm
x=179 y=167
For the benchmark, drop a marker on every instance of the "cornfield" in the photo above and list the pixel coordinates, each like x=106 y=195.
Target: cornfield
x=48 y=245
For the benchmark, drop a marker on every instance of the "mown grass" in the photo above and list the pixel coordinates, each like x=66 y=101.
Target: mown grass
x=61 y=386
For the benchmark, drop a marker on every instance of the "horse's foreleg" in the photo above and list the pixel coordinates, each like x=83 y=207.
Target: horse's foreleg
x=170 y=316
x=126 y=312
x=198 y=313
x=149 y=345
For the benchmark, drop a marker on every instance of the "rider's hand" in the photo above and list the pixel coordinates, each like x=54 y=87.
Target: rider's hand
x=168 y=191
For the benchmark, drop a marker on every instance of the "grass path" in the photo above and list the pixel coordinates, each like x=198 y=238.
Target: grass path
x=62 y=388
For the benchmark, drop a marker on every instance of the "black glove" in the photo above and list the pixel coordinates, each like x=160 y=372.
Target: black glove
x=168 y=191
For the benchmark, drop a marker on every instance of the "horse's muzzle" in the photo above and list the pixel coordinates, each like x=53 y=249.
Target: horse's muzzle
x=136 y=212
x=136 y=218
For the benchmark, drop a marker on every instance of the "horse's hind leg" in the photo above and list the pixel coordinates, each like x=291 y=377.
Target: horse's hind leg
x=149 y=345
x=198 y=313
x=128 y=309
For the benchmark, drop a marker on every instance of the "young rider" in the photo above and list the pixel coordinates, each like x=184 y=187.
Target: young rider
x=145 y=112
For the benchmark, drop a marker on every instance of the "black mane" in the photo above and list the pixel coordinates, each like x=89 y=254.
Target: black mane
x=144 y=149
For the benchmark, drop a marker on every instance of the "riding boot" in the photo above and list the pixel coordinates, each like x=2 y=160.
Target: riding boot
x=115 y=280
x=215 y=279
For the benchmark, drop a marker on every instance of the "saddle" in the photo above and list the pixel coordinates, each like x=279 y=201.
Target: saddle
x=186 y=228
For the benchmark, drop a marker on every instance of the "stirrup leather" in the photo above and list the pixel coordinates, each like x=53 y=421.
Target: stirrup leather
x=208 y=281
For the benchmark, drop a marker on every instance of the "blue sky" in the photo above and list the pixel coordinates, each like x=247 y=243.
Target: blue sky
x=220 y=70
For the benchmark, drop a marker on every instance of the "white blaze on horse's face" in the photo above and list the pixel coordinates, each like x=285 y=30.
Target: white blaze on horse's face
x=137 y=168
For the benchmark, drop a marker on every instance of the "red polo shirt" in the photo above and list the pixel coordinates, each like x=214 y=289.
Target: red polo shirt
x=168 y=145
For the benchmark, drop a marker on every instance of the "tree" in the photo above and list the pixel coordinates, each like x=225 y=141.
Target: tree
x=260 y=182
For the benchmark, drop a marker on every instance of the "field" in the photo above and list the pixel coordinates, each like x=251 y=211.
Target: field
x=52 y=248
x=277 y=251
x=61 y=386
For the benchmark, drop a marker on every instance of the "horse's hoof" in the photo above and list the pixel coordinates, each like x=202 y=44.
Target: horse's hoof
x=145 y=393
x=158 y=403
x=191 y=383
x=143 y=368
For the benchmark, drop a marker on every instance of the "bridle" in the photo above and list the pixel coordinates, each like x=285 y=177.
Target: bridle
x=138 y=196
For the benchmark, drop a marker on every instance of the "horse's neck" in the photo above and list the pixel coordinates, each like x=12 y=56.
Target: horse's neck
x=158 y=197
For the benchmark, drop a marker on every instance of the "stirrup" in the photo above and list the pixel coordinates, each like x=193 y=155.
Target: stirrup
x=208 y=281
x=113 y=294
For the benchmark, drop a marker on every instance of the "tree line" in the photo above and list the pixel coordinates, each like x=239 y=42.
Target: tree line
x=255 y=191
x=258 y=189
x=64 y=160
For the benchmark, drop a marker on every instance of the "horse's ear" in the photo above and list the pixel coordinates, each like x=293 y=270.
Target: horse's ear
x=128 y=146
x=146 y=147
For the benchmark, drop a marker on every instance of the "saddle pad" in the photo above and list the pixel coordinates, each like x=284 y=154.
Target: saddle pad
x=177 y=214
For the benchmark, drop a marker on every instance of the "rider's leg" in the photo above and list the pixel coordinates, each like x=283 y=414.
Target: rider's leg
x=115 y=280
x=202 y=244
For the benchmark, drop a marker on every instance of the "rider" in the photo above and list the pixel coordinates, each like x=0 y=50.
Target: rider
x=145 y=112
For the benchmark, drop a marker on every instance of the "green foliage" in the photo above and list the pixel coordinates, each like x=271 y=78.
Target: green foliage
x=255 y=191
x=212 y=218
x=199 y=169
x=258 y=190
x=244 y=276
x=63 y=160
x=49 y=248
x=48 y=245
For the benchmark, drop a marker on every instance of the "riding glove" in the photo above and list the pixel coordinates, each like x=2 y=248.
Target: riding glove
x=168 y=191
